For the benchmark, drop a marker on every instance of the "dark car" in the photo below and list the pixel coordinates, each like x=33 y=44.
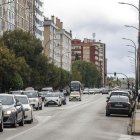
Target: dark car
x=13 y=110
x=121 y=93
x=1 y=117
x=119 y=105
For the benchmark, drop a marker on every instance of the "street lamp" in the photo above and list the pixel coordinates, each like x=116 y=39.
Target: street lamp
x=138 y=53
x=134 y=46
x=131 y=27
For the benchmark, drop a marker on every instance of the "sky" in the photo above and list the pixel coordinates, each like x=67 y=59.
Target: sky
x=106 y=19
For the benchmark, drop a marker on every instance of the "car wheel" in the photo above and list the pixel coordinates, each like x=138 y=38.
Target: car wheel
x=37 y=107
x=14 y=125
x=1 y=125
x=22 y=121
x=107 y=114
x=130 y=114
x=40 y=107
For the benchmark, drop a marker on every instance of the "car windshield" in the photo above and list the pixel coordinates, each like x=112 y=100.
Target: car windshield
x=16 y=92
x=119 y=93
x=22 y=99
x=75 y=86
x=6 y=100
x=31 y=94
x=52 y=95
x=119 y=99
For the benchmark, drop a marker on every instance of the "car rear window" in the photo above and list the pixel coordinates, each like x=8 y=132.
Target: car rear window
x=119 y=99
x=119 y=93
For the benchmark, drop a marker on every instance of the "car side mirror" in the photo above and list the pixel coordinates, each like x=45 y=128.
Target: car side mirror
x=18 y=104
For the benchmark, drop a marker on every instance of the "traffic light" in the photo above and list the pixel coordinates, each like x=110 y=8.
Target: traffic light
x=114 y=73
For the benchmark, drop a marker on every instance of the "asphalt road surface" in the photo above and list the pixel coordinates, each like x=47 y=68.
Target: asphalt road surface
x=83 y=120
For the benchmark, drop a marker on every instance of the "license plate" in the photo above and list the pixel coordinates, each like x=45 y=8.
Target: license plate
x=117 y=105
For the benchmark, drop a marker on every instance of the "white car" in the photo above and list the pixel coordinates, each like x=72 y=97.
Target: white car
x=1 y=117
x=27 y=107
x=53 y=99
x=86 y=91
x=34 y=98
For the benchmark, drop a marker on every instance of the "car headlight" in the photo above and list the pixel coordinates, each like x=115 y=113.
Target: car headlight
x=8 y=112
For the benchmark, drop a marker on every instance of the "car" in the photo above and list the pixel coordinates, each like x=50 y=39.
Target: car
x=120 y=92
x=43 y=94
x=13 y=111
x=91 y=91
x=28 y=116
x=86 y=91
x=50 y=89
x=63 y=97
x=119 y=104
x=53 y=99
x=105 y=91
x=16 y=92
x=1 y=117
x=34 y=98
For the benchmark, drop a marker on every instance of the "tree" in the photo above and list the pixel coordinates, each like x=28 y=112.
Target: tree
x=10 y=70
x=87 y=73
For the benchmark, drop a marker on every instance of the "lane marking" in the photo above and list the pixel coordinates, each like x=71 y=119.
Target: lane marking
x=41 y=121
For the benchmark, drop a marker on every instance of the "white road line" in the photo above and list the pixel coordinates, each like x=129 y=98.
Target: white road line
x=41 y=120
x=128 y=137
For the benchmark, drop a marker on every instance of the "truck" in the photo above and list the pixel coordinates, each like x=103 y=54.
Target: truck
x=75 y=91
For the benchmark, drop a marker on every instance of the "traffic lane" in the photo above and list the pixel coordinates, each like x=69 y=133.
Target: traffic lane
x=86 y=121
x=47 y=112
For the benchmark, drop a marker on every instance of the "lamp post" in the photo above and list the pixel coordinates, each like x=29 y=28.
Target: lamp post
x=135 y=58
x=138 y=53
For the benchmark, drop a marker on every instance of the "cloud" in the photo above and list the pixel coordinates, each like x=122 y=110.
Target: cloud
x=105 y=18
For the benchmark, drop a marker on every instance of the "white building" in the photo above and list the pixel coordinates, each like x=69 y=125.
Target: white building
x=57 y=43
x=22 y=14
x=39 y=19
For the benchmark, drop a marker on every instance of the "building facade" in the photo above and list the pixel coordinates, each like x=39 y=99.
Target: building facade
x=26 y=15
x=91 y=51
x=57 y=43
x=38 y=19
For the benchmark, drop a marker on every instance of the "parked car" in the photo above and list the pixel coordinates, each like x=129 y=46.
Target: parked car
x=63 y=98
x=13 y=110
x=53 y=99
x=120 y=92
x=119 y=105
x=1 y=117
x=28 y=116
x=86 y=91
x=34 y=98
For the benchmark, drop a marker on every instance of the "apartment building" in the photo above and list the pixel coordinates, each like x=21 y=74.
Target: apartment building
x=39 y=19
x=57 y=43
x=91 y=51
x=22 y=14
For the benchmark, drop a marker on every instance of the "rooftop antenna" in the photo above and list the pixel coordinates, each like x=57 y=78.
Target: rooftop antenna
x=93 y=35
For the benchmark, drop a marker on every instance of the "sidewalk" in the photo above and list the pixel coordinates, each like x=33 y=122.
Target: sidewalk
x=134 y=125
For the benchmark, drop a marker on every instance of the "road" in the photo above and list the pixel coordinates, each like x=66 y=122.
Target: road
x=83 y=120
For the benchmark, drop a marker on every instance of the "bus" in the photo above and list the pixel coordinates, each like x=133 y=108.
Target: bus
x=75 y=90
